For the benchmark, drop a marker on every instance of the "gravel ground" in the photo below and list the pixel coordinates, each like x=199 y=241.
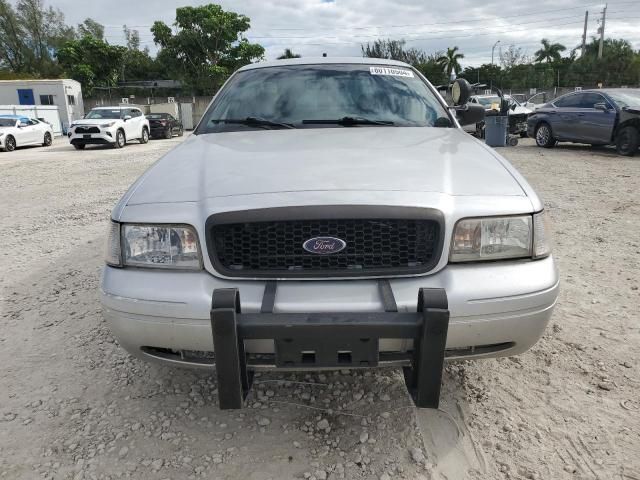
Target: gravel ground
x=74 y=405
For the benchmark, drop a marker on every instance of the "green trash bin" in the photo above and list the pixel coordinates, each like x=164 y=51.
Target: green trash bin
x=495 y=130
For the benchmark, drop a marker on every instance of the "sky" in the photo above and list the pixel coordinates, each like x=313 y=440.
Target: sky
x=339 y=27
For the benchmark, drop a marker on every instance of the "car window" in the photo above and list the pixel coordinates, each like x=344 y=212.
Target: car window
x=33 y=121
x=104 y=113
x=573 y=100
x=135 y=113
x=625 y=98
x=7 y=122
x=24 y=121
x=295 y=93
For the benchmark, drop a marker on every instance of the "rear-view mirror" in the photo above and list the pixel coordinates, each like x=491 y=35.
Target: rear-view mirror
x=601 y=106
x=127 y=117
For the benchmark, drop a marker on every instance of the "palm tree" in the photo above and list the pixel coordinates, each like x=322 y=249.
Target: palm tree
x=550 y=52
x=449 y=61
x=288 y=54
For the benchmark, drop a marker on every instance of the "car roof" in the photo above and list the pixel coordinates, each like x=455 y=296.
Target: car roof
x=326 y=61
x=15 y=117
x=115 y=108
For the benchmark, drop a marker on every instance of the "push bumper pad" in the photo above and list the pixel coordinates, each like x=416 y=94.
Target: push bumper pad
x=329 y=340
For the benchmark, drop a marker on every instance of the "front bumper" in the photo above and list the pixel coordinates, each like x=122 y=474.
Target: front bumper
x=496 y=309
x=103 y=138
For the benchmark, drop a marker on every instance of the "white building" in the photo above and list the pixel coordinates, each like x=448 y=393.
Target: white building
x=66 y=94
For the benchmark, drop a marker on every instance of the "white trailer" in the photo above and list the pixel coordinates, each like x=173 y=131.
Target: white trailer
x=65 y=94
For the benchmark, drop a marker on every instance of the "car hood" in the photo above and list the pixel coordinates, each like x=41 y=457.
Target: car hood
x=445 y=160
x=96 y=121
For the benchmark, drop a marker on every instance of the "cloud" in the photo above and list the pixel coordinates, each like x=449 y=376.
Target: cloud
x=339 y=27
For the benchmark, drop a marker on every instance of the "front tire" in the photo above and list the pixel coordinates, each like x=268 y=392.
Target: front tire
x=120 y=139
x=145 y=136
x=181 y=132
x=627 y=141
x=79 y=146
x=10 y=144
x=544 y=138
x=47 y=141
x=168 y=134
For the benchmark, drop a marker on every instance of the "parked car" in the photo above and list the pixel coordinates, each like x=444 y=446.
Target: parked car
x=164 y=125
x=598 y=117
x=316 y=186
x=18 y=131
x=517 y=114
x=113 y=126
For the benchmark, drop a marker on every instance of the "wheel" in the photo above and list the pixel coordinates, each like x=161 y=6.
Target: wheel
x=181 y=132
x=10 y=144
x=513 y=141
x=544 y=138
x=145 y=136
x=79 y=146
x=627 y=141
x=47 y=140
x=523 y=135
x=120 y=140
x=167 y=133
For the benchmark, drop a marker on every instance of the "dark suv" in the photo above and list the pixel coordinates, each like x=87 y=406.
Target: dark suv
x=597 y=117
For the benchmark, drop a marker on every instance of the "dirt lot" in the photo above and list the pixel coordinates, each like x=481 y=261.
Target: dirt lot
x=74 y=405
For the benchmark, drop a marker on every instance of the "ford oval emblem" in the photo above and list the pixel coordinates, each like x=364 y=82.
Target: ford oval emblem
x=324 y=245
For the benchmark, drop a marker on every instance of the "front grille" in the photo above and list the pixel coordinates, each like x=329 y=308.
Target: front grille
x=87 y=130
x=374 y=247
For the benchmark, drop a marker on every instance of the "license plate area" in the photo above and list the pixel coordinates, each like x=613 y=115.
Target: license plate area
x=344 y=352
x=86 y=135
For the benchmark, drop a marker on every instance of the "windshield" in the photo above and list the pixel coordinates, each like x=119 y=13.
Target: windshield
x=7 y=122
x=157 y=116
x=296 y=93
x=488 y=101
x=626 y=99
x=101 y=113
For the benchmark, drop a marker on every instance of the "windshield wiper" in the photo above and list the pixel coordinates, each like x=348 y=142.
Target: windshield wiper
x=253 y=122
x=351 y=121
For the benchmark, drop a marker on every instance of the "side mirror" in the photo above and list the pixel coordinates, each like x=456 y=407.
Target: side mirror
x=22 y=125
x=601 y=106
x=470 y=114
x=460 y=92
x=127 y=117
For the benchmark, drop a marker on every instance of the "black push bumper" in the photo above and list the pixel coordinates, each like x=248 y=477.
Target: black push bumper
x=329 y=340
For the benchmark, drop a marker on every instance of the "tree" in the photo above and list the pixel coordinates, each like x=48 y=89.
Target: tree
x=93 y=62
x=288 y=53
x=512 y=57
x=550 y=52
x=12 y=47
x=91 y=28
x=132 y=37
x=206 y=45
x=394 y=50
x=449 y=61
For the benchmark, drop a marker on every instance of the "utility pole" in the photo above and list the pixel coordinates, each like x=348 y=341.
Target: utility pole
x=584 y=33
x=601 y=29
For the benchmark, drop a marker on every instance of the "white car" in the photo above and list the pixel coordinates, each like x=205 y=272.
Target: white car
x=18 y=131
x=113 y=126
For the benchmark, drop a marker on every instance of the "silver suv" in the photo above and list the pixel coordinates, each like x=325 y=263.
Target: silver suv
x=329 y=213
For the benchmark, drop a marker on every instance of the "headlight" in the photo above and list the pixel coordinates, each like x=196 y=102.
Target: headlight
x=112 y=255
x=154 y=246
x=541 y=235
x=491 y=238
x=108 y=125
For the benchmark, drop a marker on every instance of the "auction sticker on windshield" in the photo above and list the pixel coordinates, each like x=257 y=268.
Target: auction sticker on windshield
x=396 y=72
